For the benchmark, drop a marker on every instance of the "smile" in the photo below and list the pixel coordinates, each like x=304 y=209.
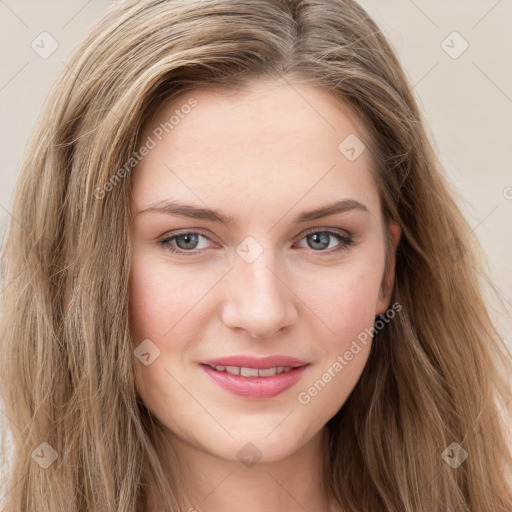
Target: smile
x=255 y=378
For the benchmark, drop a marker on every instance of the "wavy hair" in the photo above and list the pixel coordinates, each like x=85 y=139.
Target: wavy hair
x=436 y=375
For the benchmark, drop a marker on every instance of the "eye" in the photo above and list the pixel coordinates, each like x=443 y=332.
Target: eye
x=185 y=242
x=321 y=240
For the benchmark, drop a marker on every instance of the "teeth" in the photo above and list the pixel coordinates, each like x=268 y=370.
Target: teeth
x=268 y=372
x=253 y=372
x=249 y=372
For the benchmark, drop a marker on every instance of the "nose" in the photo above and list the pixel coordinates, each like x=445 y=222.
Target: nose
x=258 y=299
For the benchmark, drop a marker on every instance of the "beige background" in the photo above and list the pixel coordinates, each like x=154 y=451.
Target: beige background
x=467 y=101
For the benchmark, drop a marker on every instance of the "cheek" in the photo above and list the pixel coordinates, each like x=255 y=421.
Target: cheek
x=347 y=300
x=348 y=304
x=145 y=303
x=160 y=296
x=158 y=300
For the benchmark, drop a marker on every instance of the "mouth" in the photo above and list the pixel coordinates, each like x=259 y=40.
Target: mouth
x=255 y=378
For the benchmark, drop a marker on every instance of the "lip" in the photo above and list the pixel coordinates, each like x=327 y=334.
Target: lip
x=255 y=388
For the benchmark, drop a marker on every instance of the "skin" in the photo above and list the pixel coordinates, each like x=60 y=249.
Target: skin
x=261 y=156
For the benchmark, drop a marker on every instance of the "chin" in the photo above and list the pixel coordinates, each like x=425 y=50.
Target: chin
x=264 y=443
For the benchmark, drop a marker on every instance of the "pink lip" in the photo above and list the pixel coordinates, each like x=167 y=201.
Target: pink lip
x=255 y=388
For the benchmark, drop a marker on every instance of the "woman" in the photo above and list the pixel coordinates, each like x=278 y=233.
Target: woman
x=238 y=278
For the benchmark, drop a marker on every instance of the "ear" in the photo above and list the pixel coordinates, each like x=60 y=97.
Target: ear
x=393 y=234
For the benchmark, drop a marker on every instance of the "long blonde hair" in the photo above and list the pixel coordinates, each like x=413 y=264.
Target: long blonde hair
x=436 y=374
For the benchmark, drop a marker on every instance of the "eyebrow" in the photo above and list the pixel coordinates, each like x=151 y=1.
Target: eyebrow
x=189 y=210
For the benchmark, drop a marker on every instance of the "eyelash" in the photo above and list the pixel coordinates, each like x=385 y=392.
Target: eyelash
x=345 y=239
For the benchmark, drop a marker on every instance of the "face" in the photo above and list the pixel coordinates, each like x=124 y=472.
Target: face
x=245 y=292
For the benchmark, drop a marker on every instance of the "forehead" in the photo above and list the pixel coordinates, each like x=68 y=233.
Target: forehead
x=276 y=137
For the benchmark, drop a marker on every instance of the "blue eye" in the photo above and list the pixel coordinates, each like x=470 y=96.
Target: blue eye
x=319 y=241
x=184 y=241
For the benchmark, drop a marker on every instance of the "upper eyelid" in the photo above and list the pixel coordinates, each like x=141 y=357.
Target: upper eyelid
x=171 y=235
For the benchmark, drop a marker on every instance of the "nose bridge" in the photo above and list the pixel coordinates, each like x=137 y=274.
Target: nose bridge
x=258 y=299
x=261 y=278
x=256 y=262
